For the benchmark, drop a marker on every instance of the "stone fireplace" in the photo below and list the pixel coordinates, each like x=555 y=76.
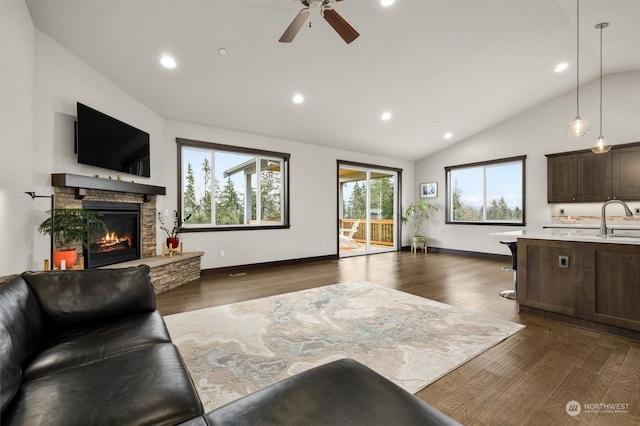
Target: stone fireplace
x=76 y=192
x=125 y=204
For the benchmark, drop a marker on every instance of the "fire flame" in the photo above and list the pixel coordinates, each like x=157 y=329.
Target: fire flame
x=111 y=239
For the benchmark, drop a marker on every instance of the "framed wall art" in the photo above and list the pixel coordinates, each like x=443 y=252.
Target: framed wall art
x=429 y=190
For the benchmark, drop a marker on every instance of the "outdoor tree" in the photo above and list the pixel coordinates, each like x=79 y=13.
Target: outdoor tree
x=191 y=207
x=205 y=201
x=229 y=207
x=357 y=202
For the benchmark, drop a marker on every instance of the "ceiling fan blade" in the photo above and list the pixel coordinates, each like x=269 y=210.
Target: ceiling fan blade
x=294 y=27
x=341 y=26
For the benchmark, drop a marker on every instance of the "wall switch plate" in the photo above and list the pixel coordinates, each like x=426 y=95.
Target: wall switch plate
x=563 y=261
x=561 y=212
x=221 y=253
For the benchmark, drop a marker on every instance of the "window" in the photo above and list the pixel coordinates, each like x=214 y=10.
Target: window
x=226 y=187
x=490 y=192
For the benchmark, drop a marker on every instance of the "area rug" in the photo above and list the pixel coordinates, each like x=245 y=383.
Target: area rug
x=236 y=349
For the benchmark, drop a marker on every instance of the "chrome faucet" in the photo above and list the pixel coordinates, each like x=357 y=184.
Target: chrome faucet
x=604 y=231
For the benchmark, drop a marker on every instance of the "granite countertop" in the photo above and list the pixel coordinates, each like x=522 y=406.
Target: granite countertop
x=590 y=235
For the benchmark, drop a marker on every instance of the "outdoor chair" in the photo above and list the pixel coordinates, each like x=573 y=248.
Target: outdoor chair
x=346 y=235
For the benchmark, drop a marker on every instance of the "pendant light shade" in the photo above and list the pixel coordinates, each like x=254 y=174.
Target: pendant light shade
x=601 y=145
x=578 y=127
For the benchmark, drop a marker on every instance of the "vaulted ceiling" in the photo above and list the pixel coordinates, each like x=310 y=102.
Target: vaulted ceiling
x=465 y=65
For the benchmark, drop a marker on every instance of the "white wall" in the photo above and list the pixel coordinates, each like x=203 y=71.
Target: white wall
x=313 y=198
x=535 y=133
x=41 y=82
x=16 y=136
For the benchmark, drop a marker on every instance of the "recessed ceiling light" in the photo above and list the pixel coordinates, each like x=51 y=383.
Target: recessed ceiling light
x=385 y=115
x=298 y=99
x=435 y=123
x=561 y=67
x=387 y=3
x=448 y=135
x=222 y=51
x=168 y=62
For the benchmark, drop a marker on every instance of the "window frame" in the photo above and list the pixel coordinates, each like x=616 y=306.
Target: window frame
x=211 y=146
x=484 y=164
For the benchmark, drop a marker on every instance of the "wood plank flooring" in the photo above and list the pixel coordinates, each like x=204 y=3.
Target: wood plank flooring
x=526 y=380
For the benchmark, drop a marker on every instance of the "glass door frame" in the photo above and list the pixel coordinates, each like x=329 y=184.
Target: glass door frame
x=397 y=225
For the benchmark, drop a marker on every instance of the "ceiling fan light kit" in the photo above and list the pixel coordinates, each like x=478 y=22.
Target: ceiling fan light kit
x=339 y=24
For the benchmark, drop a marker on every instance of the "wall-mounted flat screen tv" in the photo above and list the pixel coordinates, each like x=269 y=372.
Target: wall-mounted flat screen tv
x=103 y=141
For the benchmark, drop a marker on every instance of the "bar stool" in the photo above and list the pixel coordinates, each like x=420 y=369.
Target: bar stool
x=513 y=246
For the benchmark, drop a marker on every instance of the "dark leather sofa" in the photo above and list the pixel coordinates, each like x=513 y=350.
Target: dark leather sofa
x=89 y=348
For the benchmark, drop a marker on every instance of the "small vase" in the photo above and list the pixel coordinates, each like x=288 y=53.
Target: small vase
x=69 y=256
x=173 y=243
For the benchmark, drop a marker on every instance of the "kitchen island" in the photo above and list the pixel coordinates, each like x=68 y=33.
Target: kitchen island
x=581 y=277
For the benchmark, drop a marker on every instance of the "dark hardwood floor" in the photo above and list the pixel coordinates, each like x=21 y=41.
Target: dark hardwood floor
x=526 y=380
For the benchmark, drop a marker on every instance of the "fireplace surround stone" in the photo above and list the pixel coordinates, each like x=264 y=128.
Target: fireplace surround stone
x=166 y=272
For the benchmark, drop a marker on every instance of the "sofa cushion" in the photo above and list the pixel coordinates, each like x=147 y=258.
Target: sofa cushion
x=10 y=371
x=82 y=345
x=21 y=316
x=342 y=392
x=148 y=386
x=92 y=295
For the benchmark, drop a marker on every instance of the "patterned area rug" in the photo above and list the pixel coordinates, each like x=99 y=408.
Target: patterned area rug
x=236 y=349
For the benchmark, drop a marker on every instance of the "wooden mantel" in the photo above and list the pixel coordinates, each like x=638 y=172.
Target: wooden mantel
x=82 y=183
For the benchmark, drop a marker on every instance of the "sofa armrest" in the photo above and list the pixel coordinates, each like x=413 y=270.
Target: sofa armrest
x=71 y=297
x=343 y=392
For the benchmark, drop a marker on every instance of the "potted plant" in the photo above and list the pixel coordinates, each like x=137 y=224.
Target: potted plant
x=416 y=214
x=71 y=227
x=178 y=227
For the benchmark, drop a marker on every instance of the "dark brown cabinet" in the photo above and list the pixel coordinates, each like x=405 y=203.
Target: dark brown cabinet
x=596 y=286
x=582 y=176
x=544 y=282
x=625 y=173
x=561 y=178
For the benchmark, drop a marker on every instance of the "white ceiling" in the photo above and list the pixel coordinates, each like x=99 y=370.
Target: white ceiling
x=467 y=64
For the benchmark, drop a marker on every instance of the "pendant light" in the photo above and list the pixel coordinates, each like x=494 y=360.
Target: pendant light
x=578 y=127
x=601 y=145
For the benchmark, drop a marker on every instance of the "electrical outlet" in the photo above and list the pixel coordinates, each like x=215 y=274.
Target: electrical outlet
x=563 y=261
x=166 y=212
x=637 y=210
x=561 y=212
x=221 y=253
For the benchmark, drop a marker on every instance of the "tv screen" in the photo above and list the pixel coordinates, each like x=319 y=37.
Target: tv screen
x=103 y=141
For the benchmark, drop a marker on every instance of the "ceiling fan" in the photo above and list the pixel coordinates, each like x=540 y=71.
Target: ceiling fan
x=338 y=23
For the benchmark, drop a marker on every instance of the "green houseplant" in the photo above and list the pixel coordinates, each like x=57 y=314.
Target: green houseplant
x=71 y=227
x=178 y=227
x=416 y=214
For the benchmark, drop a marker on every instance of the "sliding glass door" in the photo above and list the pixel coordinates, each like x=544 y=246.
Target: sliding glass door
x=367 y=203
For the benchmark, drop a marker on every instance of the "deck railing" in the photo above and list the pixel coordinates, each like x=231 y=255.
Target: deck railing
x=381 y=230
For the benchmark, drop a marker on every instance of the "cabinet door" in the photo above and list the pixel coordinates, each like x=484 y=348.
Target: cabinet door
x=594 y=177
x=544 y=283
x=561 y=178
x=625 y=179
x=612 y=284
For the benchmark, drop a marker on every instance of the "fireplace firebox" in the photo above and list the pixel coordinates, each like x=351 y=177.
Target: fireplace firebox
x=121 y=241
